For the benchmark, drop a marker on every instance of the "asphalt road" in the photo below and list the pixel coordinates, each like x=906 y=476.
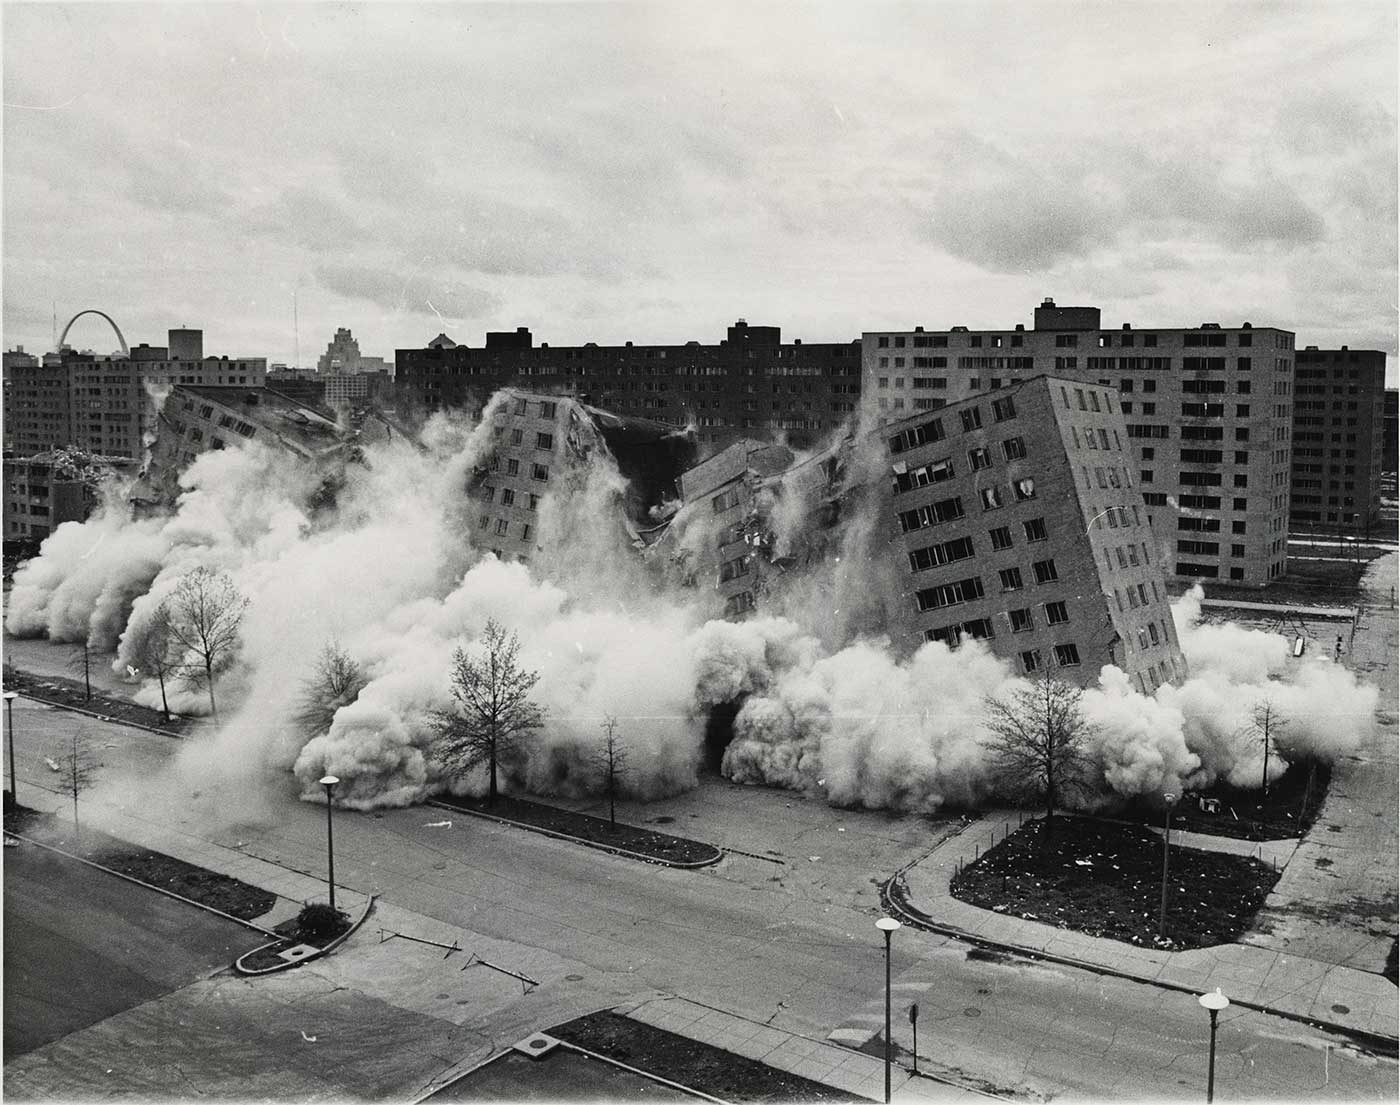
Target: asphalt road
x=762 y=940
x=82 y=945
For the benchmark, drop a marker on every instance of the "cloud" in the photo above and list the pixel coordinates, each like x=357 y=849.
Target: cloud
x=431 y=294
x=308 y=217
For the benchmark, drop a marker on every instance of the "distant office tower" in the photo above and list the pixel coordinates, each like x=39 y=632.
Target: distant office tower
x=751 y=385
x=1208 y=409
x=1338 y=438
x=342 y=353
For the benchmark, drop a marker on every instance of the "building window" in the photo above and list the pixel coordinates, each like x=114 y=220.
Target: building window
x=502 y=526
x=544 y=441
x=933 y=556
x=1011 y=579
x=1014 y=448
x=1056 y=613
x=517 y=437
x=934 y=514
x=979 y=458
x=950 y=594
x=539 y=472
x=1045 y=571
x=547 y=410
x=1001 y=537
x=726 y=499
x=1066 y=655
x=991 y=498
x=971 y=418
x=520 y=406
x=738 y=604
x=1035 y=530
x=1030 y=661
x=488 y=494
x=732 y=569
x=512 y=467
x=1021 y=620
x=1002 y=409
x=484 y=521
x=1024 y=489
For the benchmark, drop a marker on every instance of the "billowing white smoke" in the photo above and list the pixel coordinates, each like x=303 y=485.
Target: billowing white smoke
x=393 y=574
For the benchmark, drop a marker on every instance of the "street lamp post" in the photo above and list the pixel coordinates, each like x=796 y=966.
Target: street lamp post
x=10 y=697
x=1215 y=1003
x=1170 y=800
x=329 y=782
x=887 y=925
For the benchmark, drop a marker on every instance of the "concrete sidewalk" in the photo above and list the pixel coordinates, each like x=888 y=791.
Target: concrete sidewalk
x=1270 y=979
x=827 y=1063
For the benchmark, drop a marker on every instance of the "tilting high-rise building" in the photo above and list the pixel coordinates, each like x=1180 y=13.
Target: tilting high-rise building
x=1013 y=517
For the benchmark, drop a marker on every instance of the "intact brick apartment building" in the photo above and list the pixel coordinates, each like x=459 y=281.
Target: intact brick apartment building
x=1208 y=410
x=1338 y=438
x=751 y=385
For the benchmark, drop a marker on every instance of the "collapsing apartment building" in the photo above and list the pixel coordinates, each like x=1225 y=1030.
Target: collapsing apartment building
x=1011 y=517
x=546 y=443
x=195 y=419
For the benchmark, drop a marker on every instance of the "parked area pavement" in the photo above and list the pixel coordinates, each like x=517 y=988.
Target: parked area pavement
x=820 y=1060
x=81 y=945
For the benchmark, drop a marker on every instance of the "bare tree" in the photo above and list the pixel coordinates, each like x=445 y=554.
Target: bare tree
x=1265 y=726
x=205 y=612
x=81 y=661
x=77 y=771
x=611 y=757
x=336 y=680
x=493 y=715
x=1040 y=737
x=154 y=652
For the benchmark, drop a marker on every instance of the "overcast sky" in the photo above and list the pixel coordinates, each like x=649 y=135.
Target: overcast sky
x=652 y=172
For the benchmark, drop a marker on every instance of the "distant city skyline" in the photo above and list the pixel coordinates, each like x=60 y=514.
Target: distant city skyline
x=651 y=173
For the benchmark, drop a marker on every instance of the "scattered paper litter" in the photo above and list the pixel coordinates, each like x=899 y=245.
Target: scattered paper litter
x=437 y=824
x=52 y=765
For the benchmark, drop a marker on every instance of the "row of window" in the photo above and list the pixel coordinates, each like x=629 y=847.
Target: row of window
x=971 y=589
x=937 y=471
x=508 y=497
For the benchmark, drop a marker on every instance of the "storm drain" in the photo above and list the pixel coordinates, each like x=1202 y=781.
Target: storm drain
x=535 y=1046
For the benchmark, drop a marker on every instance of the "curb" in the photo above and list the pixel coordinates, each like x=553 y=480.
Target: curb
x=100 y=717
x=893 y=898
x=683 y=865
x=259 y=972
x=147 y=885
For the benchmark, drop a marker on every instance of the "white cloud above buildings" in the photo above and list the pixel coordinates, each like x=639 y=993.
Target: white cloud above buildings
x=651 y=172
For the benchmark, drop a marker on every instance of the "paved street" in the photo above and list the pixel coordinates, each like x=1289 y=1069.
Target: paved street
x=748 y=936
